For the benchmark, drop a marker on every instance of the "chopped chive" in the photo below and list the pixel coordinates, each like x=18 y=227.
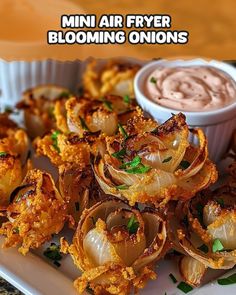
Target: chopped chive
x=108 y=105
x=217 y=246
x=138 y=170
x=227 y=281
x=3 y=154
x=153 y=80
x=134 y=163
x=122 y=186
x=184 y=287
x=172 y=277
x=126 y=98
x=55 y=140
x=184 y=164
x=53 y=252
x=203 y=248
x=132 y=225
x=77 y=206
x=122 y=131
x=167 y=160
x=83 y=124
x=120 y=154
x=15 y=230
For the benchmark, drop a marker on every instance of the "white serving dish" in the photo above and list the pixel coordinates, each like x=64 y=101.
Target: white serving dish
x=33 y=274
x=218 y=125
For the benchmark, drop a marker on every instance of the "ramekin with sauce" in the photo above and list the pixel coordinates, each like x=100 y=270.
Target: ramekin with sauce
x=205 y=91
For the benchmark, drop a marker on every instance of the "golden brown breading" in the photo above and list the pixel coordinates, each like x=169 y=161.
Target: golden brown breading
x=14 y=147
x=38 y=104
x=61 y=149
x=116 y=77
x=37 y=211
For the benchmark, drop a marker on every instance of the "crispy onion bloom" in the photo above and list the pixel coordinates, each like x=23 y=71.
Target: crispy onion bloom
x=65 y=148
x=116 y=246
x=38 y=104
x=205 y=228
x=79 y=188
x=115 y=77
x=97 y=115
x=151 y=166
x=14 y=147
x=37 y=211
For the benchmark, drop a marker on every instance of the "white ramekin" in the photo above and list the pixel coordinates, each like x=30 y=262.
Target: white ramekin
x=218 y=125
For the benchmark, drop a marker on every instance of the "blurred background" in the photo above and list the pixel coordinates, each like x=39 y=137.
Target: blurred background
x=24 y=25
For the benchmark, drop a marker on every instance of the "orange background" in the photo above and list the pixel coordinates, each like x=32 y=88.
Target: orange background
x=211 y=26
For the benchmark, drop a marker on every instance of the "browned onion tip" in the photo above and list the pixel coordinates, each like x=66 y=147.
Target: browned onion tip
x=191 y=270
x=114 y=240
x=205 y=228
x=37 y=211
x=38 y=105
x=114 y=77
x=84 y=115
x=78 y=188
x=169 y=167
x=14 y=148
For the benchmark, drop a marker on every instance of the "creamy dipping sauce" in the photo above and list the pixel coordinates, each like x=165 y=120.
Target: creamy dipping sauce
x=193 y=88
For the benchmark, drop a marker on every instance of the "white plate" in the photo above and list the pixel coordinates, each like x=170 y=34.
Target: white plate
x=34 y=275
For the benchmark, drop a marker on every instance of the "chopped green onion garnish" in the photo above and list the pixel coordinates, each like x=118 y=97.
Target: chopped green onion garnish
x=134 y=163
x=53 y=252
x=184 y=164
x=172 y=277
x=3 y=154
x=83 y=124
x=184 y=287
x=227 y=281
x=15 y=230
x=135 y=166
x=139 y=169
x=167 y=160
x=217 y=246
x=55 y=140
x=132 y=225
x=153 y=80
x=203 y=248
x=108 y=105
x=19 y=197
x=122 y=131
x=122 y=186
x=120 y=154
x=126 y=98
x=77 y=206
